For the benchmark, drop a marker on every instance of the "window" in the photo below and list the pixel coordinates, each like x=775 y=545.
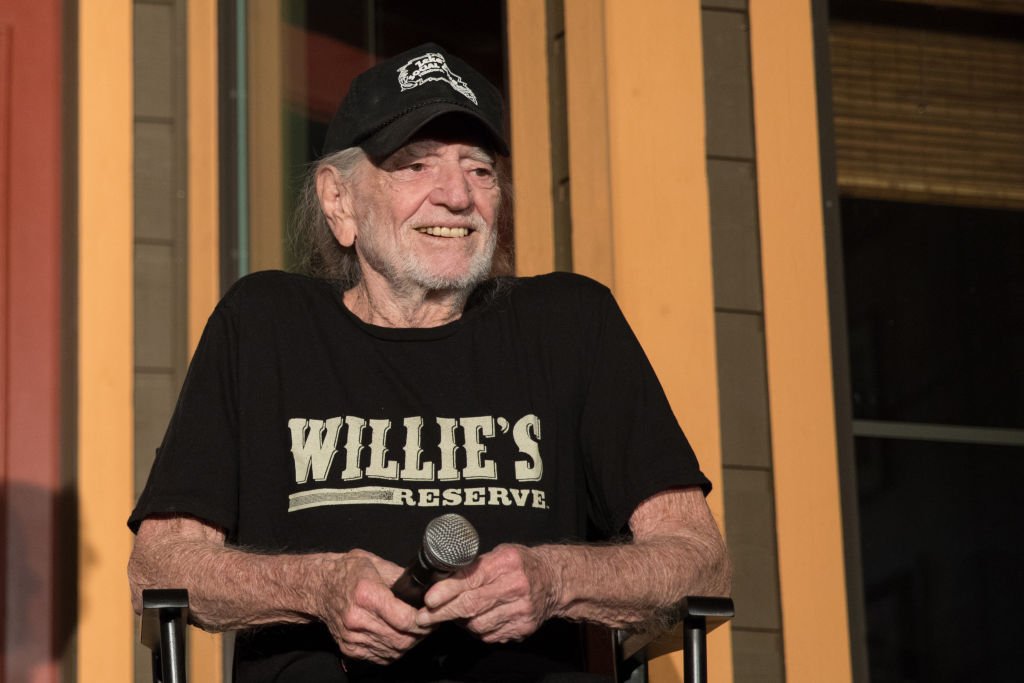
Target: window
x=929 y=130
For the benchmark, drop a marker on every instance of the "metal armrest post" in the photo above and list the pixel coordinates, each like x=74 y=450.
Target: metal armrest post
x=164 y=616
x=695 y=616
x=695 y=650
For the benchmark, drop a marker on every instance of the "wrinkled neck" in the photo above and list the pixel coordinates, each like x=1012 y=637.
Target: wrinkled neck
x=376 y=302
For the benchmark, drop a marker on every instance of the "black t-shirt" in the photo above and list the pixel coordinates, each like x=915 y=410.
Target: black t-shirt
x=301 y=428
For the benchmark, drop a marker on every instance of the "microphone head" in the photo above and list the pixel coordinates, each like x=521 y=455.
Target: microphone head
x=450 y=542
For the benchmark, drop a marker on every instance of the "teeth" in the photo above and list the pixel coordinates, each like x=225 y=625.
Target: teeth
x=443 y=231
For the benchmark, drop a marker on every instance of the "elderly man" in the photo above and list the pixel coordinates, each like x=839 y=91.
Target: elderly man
x=326 y=419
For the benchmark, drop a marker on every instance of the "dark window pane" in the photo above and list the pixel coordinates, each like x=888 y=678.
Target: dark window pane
x=935 y=303
x=941 y=531
x=327 y=44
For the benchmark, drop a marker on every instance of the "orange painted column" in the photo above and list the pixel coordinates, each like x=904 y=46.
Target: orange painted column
x=35 y=627
x=205 y=649
x=593 y=244
x=105 y=339
x=798 y=348
x=534 y=239
x=662 y=228
x=203 y=168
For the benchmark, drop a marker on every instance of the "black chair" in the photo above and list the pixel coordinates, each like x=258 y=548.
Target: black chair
x=165 y=617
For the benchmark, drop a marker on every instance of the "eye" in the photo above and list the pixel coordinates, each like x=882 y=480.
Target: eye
x=415 y=166
x=482 y=172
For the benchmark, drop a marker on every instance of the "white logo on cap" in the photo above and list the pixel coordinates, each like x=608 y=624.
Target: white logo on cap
x=432 y=67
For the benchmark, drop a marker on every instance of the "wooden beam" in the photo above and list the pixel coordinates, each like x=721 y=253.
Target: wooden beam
x=799 y=363
x=206 y=650
x=643 y=226
x=591 y=197
x=529 y=104
x=105 y=338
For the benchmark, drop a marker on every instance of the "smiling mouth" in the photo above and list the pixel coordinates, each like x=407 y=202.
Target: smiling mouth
x=444 y=231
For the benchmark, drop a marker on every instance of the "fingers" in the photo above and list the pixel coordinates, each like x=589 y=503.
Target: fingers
x=366 y=620
x=501 y=597
x=511 y=621
x=376 y=626
x=442 y=593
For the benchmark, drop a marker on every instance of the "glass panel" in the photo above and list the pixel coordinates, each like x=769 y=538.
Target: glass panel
x=935 y=304
x=943 y=562
x=327 y=44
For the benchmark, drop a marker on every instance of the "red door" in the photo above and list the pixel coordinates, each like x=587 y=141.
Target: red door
x=33 y=625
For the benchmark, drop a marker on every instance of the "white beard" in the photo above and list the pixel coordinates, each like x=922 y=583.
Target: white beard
x=406 y=272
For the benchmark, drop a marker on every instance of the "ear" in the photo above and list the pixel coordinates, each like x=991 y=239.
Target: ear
x=336 y=202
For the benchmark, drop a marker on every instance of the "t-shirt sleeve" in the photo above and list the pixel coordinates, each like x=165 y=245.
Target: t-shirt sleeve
x=632 y=442
x=195 y=470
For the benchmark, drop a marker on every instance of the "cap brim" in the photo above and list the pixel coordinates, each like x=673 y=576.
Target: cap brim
x=391 y=137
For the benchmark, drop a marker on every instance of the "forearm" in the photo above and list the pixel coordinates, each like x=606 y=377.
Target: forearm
x=228 y=588
x=633 y=585
x=511 y=590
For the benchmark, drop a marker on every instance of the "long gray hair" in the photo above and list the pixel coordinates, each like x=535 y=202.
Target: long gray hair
x=318 y=254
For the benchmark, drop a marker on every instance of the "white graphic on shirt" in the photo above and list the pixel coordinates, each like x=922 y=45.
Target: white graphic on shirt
x=492 y=496
x=527 y=437
x=476 y=466
x=432 y=67
x=314 y=446
x=353 y=446
x=413 y=468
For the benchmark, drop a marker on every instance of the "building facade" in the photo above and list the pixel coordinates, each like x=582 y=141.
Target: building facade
x=809 y=211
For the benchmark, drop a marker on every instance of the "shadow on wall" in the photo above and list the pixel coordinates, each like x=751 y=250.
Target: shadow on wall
x=40 y=579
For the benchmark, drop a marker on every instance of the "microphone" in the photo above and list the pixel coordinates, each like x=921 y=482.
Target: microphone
x=449 y=542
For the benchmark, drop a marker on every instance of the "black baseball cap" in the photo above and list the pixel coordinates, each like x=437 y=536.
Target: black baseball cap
x=389 y=102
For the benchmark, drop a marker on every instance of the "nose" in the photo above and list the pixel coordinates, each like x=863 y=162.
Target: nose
x=452 y=190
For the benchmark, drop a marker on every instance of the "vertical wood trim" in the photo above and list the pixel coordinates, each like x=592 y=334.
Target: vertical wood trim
x=105 y=337
x=205 y=649
x=266 y=136
x=203 y=166
x=798 y=351
x=661 y=227
x=529 y=106
x=589 y=172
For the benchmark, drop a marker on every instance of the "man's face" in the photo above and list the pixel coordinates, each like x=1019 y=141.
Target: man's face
x=426 y=217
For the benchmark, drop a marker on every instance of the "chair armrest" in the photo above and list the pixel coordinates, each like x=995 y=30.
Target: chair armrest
x=164 y=618
x=693 y=617
x=695 y=611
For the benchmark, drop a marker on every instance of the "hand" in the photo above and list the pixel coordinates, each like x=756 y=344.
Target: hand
x=505 y=595
x=365 y=618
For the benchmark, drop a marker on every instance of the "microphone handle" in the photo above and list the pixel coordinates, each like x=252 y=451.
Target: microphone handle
x=419 y=576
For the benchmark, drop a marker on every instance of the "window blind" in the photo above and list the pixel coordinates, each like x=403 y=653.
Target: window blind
x=923 y=115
